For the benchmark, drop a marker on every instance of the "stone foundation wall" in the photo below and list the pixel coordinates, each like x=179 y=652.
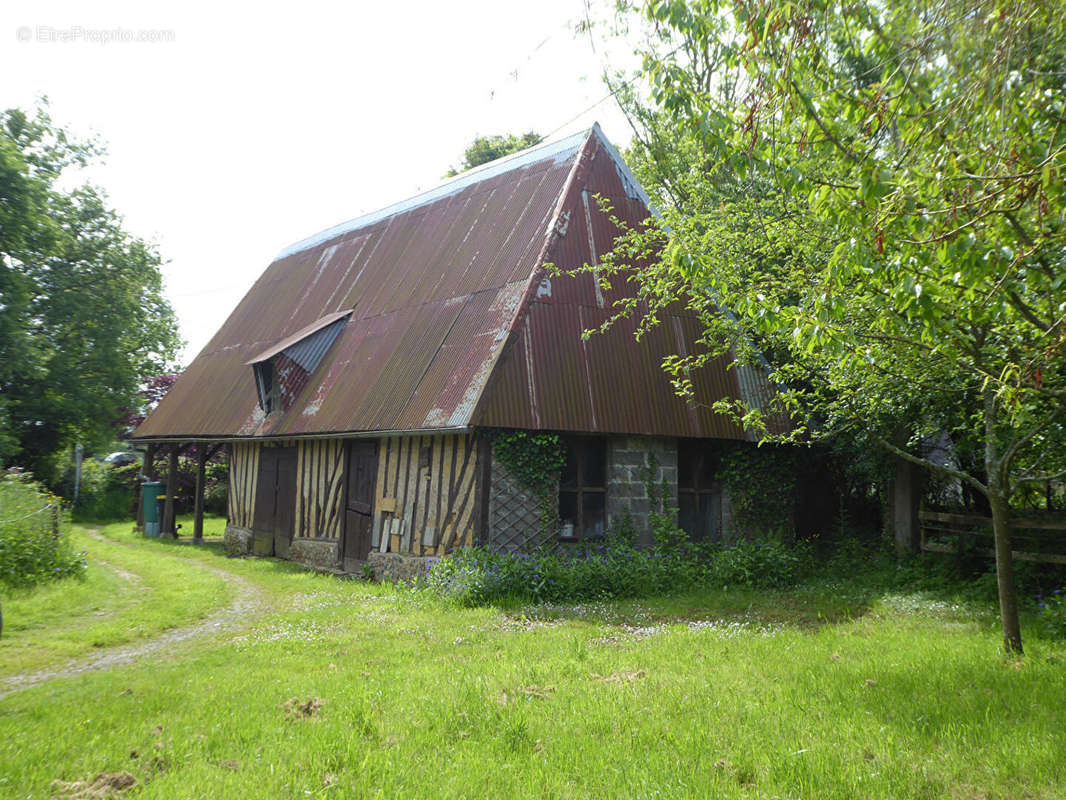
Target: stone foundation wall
x=238 y=541
x=320 y=554
x=628 y=459
x=399 y=566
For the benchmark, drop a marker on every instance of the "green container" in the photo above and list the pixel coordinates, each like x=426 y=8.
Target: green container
x=152 y=490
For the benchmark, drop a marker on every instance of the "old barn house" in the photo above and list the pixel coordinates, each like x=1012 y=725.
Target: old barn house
x=356 y=385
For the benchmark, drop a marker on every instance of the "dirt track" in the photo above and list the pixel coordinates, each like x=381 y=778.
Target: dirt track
x=248 y=603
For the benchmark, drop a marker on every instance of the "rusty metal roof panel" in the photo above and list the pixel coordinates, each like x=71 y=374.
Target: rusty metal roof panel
x=549 y=378
x=432 y=285
x=299 y=339
x=452 y=320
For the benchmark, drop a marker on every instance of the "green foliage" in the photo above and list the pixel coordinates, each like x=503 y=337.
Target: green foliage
x=34 y=548
x=762 y=488
x=216 y=487
x=1051 y=612
x=534 y=459
x=106 y=491
x=540 y=687
x=83 y=319
x=621 y=532
x=875 y=192
x=476 y=576
x=488 y=148
x=669 y=537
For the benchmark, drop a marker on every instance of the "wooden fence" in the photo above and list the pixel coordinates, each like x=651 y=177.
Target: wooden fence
x=1041 y=540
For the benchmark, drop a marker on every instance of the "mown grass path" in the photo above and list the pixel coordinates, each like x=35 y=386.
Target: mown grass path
x=136 y=600
x=248 y=604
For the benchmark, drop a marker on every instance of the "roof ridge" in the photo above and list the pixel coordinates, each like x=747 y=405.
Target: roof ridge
x=558 y=148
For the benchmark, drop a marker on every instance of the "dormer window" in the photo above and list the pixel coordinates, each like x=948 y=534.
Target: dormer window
x=283 y=370
x=266 y=386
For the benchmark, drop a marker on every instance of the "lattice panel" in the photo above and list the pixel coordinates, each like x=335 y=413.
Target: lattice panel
x=514 y=515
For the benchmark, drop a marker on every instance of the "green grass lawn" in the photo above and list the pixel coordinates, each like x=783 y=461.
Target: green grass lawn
x=125 y=597
x=834 y=691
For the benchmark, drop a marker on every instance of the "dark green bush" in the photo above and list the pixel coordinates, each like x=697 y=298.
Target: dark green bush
x=32 y=550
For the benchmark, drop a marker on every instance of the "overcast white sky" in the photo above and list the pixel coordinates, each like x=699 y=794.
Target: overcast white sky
x=253 y=125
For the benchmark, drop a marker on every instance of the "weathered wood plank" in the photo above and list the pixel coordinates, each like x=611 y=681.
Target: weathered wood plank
x=979 y=521
x=198 y=499
x=410 y=500
x=465 y=511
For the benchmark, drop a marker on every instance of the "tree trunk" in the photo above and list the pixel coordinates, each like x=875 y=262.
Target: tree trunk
x=997 y=467
x=1008 y=587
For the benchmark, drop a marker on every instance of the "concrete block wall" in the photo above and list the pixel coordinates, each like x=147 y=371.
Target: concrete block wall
x=628 y=459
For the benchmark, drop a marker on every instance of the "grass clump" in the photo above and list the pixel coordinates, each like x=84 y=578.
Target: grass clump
x=33 y=545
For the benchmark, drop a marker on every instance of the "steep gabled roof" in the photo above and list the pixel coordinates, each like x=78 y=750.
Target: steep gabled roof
x=452 y=321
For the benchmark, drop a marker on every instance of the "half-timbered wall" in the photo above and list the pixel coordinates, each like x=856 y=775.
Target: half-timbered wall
x=243 y=474
x=426 y=494
x=320 y=489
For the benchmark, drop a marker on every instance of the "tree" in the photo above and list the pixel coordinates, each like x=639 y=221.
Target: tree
x=488 y=148
x=153 y=391
x=875 y=193
x=83 y=320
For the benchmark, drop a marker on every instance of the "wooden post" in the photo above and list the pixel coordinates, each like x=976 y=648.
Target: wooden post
x=169 y=527
x=147 y=471
x=906 y=495
x=198 y=519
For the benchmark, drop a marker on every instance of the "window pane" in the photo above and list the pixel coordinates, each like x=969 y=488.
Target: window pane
x=568 y=509
x=569 y=477
x=708 y=466
x=594 y=516
x=686 y=472
x=688 y=514
x=709 y=514
x=595 y=466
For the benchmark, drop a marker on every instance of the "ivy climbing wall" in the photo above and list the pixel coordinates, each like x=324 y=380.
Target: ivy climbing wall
x=515 y=513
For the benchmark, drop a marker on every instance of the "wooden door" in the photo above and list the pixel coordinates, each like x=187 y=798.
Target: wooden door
x=285 y=508
x=361 y=472
x=275 y=502
x=266 y=489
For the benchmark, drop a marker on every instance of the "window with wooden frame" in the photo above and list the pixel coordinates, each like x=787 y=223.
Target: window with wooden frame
x=583 y=490
x=266 y=386
x=699 y=495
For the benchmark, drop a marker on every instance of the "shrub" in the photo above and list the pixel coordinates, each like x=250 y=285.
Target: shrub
x=760 y=565
x=1051 y=612
x=32 y=550
x=216 y=487
x=761 y=482
x=475 y=576
x=106 y=492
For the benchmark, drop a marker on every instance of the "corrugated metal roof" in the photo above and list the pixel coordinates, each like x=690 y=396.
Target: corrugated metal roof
x=300 y=338
x=549 y=378
x=452 y=321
